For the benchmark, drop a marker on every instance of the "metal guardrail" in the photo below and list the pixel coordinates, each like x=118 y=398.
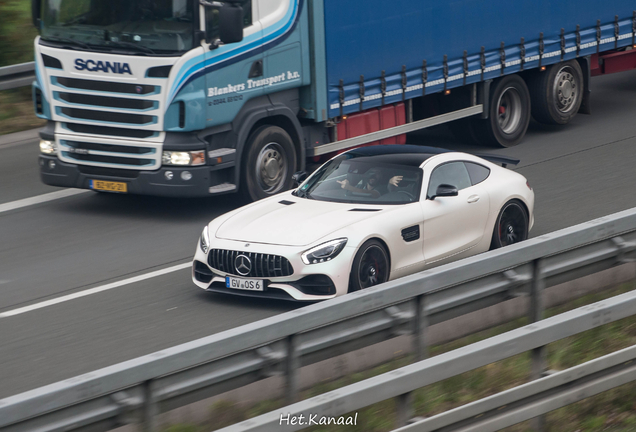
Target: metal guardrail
x=19 y=75
x=493 y=413
x=139 y=389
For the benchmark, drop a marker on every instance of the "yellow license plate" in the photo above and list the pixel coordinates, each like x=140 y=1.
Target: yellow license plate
x=109 y=186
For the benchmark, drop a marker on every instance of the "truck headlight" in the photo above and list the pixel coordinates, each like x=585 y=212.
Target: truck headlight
x=204 y=241
x=324 y=252
x=189 y=158
x=48 y=147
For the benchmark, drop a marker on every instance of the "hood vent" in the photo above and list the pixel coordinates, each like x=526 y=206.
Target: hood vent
x=285 y=202
x=365 y=210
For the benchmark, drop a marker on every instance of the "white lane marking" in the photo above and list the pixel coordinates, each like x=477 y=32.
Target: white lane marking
x=94 y=290
x=13 y=205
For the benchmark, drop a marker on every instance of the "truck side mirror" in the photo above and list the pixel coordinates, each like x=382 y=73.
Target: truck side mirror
x=36 y=11
x=231 y=23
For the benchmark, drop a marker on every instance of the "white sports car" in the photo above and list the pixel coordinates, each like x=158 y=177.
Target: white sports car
x=367 y=216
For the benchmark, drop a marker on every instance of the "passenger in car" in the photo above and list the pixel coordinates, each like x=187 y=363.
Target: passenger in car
x=372 y=184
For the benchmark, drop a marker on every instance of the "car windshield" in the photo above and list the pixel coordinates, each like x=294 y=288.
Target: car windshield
x=363 y=180
x=139 y=26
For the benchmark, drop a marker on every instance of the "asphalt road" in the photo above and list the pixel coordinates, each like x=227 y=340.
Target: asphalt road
x=67 y=246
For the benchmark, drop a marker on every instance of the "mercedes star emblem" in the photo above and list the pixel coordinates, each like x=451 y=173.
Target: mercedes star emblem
x=243 y=265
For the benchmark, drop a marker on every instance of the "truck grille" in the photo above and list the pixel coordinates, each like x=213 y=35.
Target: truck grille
x=120 y=155
x=108 y=116
x=109 y=131
x=262 y=265
x=106 y=101
x=104 y=86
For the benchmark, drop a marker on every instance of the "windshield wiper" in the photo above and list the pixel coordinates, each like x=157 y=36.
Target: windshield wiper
x=70 y=41
x=132 y=45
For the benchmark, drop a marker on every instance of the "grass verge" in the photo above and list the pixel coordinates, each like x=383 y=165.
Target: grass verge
x=16 y=111
x=614 y=410
x=16 y=46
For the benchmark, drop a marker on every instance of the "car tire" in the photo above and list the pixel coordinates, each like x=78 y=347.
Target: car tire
x=268 y=163
x=511 y=225
x=508 y=116
x=371 y=266
x=557 y=93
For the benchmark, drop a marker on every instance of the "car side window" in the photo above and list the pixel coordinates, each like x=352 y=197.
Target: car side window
x=452 y=173
x=478 y=173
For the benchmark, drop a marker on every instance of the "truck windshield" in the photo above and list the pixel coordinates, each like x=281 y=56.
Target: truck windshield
x=140 y=26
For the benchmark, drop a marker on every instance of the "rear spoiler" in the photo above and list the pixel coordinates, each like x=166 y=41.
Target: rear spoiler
x=504 y=161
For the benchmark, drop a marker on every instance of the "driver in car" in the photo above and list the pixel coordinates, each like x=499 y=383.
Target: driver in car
x=372 y=185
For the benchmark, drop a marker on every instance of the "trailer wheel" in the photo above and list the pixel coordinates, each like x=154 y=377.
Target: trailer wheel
x=557 y=93
x=269 y=162
x=509 y=113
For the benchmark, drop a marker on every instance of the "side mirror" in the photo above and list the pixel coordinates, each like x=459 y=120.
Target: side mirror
x=299 y=177
x=230 y=23
x=36 y=12
x=445 y=190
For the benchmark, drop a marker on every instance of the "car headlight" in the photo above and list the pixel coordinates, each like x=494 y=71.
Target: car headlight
x=204 y=241
x=48 y=147
x=324 y=252
x=189 y=158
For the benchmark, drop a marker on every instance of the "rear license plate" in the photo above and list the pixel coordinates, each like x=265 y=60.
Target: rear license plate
x=108 y=186
x=244 y=284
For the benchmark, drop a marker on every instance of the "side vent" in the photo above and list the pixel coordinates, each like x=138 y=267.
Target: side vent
x=285 y=202
x=365 y=210
x=411 y=233
x=51 y=62
x=181 y=114
x=159 y=72
x=38 y=101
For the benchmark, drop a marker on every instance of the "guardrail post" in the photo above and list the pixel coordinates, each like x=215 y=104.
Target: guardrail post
x=420 y=328
x=292 y=364
x=538 y=355
x=404 y=409
x=149 y=409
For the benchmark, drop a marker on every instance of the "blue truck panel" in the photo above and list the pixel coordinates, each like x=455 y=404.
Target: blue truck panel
x=387 y=36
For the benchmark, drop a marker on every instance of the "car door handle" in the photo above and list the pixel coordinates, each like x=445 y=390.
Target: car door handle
x=473 y=199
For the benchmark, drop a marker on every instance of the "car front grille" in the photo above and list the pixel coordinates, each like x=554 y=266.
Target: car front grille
x=260 y=265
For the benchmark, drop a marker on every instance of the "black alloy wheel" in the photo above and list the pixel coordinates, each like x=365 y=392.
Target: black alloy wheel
x=269 y=161
x=511 y=226
x=370 y=266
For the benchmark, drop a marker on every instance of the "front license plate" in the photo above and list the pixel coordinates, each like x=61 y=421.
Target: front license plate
x=108 y=186
x=244 y=284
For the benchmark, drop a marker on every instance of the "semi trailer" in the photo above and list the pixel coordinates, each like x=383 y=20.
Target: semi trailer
x=196 y=98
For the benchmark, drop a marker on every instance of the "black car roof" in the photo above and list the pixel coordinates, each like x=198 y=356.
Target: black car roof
x=413 y=155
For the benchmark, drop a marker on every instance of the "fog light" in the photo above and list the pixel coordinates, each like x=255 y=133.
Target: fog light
x=51 y=165
x=169 y=175
x=186 y=175
x=48 y=147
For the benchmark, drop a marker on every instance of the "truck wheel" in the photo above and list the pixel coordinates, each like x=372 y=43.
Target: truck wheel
x=509 y=113
x=557 y=93
x=269 y=162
